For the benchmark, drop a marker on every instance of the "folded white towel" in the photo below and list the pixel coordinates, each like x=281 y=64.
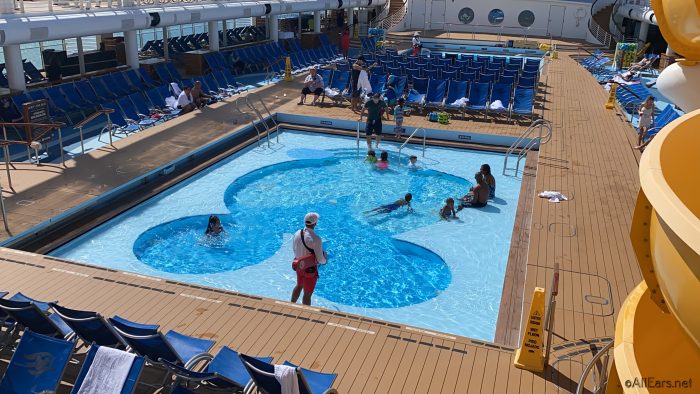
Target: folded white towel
x=171 y=102
x=287 y=378
x=553 y=196
x=363 y=81
x=460 y=102
x=108 y=372
x=176 y=88
x=496 y=105
x=331 y=92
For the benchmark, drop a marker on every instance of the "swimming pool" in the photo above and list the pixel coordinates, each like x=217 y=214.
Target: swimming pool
x=405 y=267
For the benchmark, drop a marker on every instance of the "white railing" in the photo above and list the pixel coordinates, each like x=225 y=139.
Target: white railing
x=394 y=19
x=599 y=33
x=540 y=125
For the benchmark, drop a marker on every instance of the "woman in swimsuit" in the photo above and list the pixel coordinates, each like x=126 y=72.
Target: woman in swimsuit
x=477 y=196
x=489 y=179
x=405 y=201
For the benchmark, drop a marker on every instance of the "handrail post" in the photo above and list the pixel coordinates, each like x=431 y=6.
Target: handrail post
x=109 y=133
x=60 y=146
x=582 y=381
x=549 y=319
x=359 y=121
x=82 y=143
x=4 y=212
x=6 y=153
x=424 y=133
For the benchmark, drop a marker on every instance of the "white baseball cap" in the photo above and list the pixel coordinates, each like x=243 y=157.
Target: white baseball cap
x=311 y=218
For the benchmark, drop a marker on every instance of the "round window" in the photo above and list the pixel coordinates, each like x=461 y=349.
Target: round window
x=526 y=18
x=466 y=15
x=496 y=16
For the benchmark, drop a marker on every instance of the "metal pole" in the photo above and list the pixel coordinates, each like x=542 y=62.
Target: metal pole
x=109 y=132
x=82 y=145
x=6 y=153
x=549 y=319
x=4 y=213
x=60 y=145
x=423 y=142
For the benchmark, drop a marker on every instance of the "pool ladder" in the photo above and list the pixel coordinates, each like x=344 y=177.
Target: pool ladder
x=409 y=138
x=261 y=119
x=543 y=128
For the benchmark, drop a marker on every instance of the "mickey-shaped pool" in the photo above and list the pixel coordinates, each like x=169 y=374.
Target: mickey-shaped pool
x=409 y=267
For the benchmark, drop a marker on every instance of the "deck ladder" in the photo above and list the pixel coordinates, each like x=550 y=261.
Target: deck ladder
x=409 y=138
x=526 y=142
x=261 y=119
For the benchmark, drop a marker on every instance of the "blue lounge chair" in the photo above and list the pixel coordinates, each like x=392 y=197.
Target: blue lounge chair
x=88 y=93
x=666 y=116
x=340 y=83
x=523 y=102
x=58 y=100
x=36 y=365
x=148 y=342
x=395 y=87
x=90 y=327
x=101 y=89
x=31 y=72
x=435 y=96
x=29 y=316
x=478 y=97
x=501 y=92
x=416 y=95
x=131 y=378
x=120 y=124
x=457 y=90
x=378 y=82
x=223 y=372
x=310 y=382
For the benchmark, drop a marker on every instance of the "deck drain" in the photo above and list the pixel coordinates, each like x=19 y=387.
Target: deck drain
x=25 y=203
x=563 y=229
x=596 y=300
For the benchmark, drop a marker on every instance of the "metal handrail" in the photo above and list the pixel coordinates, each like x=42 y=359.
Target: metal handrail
x=409 y=138
x=603 y=374
x=4 y=212
x=540 y=124
x=269 y=114
x=79 y=126
x=255 y=126
x=359 y=121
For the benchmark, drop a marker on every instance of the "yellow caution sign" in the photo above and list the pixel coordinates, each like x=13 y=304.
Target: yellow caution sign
x=611 y=98
x=529 y=356
x=288 y=69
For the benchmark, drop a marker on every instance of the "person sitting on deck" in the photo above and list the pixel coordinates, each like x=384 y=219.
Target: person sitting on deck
x=388 y=208
x=478 y=195
x=312 y=84
x=199 y=98
x=448 y=211
x=185 y=103
x=214 y=226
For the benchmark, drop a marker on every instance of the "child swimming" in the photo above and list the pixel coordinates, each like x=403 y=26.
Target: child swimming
x=371 y=157
x=412 y=162
x=214 y=226
x=401 y=202
x=448 y=211
x=383 y=162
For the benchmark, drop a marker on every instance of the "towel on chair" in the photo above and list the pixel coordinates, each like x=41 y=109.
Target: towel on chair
x=108 y=372
x=287 y=378
x=553 y=196
x=330 y=92
x=462 y=102
x=496 y=105
x=176 y=88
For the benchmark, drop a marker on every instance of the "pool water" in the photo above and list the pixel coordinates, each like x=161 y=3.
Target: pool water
x=403 y=266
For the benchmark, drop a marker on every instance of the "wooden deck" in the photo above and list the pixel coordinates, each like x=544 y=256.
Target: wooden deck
x=589 y=159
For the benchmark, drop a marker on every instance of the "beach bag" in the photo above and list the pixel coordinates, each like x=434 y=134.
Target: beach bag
x=306 y=265
x=443 y=118
x=432 y=117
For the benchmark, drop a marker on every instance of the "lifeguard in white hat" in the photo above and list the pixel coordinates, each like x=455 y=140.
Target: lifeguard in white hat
x=308 y=254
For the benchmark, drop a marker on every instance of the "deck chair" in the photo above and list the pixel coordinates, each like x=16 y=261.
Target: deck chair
x=455 y=93
x=500 y=92
x=416 y=95
x=173 y=71
x=478 y=97
x=123 y=80
x=143 y=120
x=120 y=124
x=129 y=383
x=666 y=116
x=90 y=327
x=523 y=102
x=150 y=343
x=435 y=96
x=163 y=73
x=223 y=372
x=58 y=99
x=88 y=93
x=378 y=83
x=310 y=382
x=101 y=89
x=71 y=92
x=395 y=87
x=37 y=364
x=32 y=72
x=29 y=316
x=120 y=88
x=339 y=83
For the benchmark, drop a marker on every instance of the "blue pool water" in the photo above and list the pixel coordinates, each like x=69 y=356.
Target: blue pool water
x=405 y=267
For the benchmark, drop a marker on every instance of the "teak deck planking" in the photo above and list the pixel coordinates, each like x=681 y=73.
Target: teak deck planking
x=589 y=159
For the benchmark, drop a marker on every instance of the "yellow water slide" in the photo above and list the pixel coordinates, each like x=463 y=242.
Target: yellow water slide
x=657 y=336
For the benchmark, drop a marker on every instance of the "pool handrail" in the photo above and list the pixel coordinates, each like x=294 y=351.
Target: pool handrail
x=409 y=138
x=359 y=121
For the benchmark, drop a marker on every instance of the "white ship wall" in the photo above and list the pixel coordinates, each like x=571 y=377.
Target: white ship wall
x=569 y=19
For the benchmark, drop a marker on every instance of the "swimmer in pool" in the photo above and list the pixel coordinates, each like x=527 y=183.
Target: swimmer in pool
x=383 y=162
x=214 y=226
x=448 y=211
x=388 y=208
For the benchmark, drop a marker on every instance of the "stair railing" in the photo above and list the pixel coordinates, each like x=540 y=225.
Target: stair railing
x=599 y=360
x=409 y=138
x=543 y=128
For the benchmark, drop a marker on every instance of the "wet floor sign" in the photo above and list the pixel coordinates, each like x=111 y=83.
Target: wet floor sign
x=529 y=356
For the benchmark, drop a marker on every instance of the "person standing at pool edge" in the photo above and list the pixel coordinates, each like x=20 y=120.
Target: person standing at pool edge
x=375 y=108
x=308 y=253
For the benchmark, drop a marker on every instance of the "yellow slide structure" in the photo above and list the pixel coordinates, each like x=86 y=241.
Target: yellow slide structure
x=657 y=334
